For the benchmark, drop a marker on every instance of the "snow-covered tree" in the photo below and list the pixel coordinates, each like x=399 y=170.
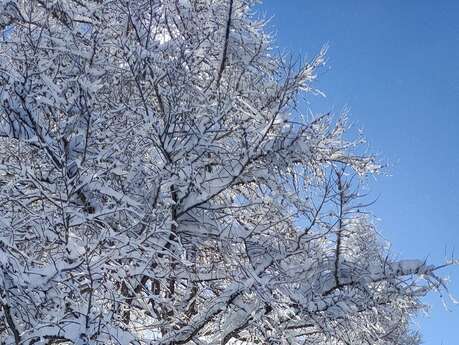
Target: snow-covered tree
x=159 y=185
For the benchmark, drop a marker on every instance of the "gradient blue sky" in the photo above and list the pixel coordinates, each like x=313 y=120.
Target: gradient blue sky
x=395 y=65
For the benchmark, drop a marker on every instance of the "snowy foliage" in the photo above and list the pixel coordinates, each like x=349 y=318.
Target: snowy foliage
x=158 y=186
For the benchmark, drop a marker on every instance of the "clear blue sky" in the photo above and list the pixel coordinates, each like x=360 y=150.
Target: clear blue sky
x=395 y=65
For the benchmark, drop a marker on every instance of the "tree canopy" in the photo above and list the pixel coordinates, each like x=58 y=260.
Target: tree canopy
x=160 y=183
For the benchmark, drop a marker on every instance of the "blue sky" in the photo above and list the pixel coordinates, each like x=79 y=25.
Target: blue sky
x=395 y=65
